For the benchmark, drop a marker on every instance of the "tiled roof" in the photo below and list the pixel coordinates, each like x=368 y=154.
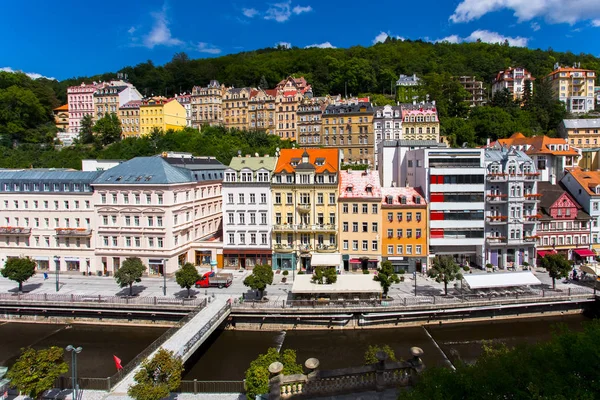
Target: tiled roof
x=536 y=144
x=589 y=123
x=397 y=193
x=253 y=163
x=145 y=171
x=413 y=143
x=354 y=184
x=550 y=194
x=64 y=107
x=349 y=109
x=588 y=180
x=131 y=104
x=328 y=158
x=47 y=174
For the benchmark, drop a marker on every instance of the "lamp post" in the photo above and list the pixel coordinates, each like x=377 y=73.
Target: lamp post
x=415 y=277
x=74 y=351
x=165 y=276
x=57 y=262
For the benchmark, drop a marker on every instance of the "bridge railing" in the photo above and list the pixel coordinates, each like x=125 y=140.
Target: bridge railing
x=206 y=327
x=98 y=299
x=195 y=386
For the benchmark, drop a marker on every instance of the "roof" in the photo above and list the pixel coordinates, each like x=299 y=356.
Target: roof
x=145 y=171
x=354 y=184
x=568 y=69
x=550 y=194
x=64 y=107
x=397 y=193
x=253 y=163
x=413 y=143
x=131 y=104
x=510 y=72
x=537 y=144
x=593 y=123
x=349 y=108
x=321 y=159
x=344 y=284
x=505 y=279
x=196 y=163
x=588 y=180
x=47 y=174
x=501 y=155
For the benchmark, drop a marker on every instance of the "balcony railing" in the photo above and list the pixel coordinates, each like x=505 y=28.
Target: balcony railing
x=14 y=230
x=326 y=247
x=531 y=238
x=283 y=248
x=495 y=239
x=73 y=232
x=498 y=198
x=497 y=177
x=497 y=219
x=304 y=248
x=305 y=228
x=304 y=208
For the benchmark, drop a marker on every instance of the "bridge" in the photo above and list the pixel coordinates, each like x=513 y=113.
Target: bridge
x=188 y=338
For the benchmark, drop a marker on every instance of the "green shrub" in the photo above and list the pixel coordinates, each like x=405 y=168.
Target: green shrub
x=286 y=273
x=301 y=272
x=489 y=266
x=401 y=272
x=366 y=272
x=466 y=269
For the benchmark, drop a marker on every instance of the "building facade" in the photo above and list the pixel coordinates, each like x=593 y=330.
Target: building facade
x=574 y=87
x=235 y=108
x=349 y=127
x=129 y=115
x=584 y=187
x=81 y=103
x=61 y=118
x=304 y=194
x=407 y=88
x=387 y=125
x=584 y=134
x=112 y=95
x=161 y=113
x=475 y=89
x=309 y=122
x=186 y=101
x=453 y=183
x=206 y=104
x=420 y=122
x=514 y=80
x=359 y=219
x=247 y=212
x=511 y=208
x=405 y=229
x=261 y=110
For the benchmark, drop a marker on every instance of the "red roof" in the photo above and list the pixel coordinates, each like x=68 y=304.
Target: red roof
x=330 y=159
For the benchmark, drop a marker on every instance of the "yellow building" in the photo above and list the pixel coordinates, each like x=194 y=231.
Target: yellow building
x=235 y=108
x=349 y=127
x=129 y=115
x=161 y=113
x=420 y=122
x=261 y=110
x=405 y=229
x=61 y=117
x=574 y=87
x=206 y=104
x=360 y=219
x=304 y=193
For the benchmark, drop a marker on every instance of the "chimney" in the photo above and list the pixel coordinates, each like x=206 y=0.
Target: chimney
x=488 y=142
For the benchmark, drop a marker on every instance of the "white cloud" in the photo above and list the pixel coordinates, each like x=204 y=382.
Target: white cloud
x=249 y=12
x=553 y=11
x=596 y=23
x=287 y=45
x=131 y=30
x=535 y=26
x=160 y=35
x=487 y=37
x=383 y=36
x=280 y=12
x=203 y=47
x=325 y=45
x=299 y=9
x=32 y=75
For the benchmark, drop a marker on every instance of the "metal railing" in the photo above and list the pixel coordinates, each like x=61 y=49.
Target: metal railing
x=206 y=328
x=196 y=386
x=99 y=299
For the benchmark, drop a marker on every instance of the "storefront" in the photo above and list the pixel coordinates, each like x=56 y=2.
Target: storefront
x=203 y=257
x=361 y=262
x=284 y=261
x=42 y=263
x=72 y=264
x=156 y=267
x=583 y=256
x=246 y=259
x=331 y=260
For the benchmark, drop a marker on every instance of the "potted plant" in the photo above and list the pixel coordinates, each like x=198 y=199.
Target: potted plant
x=525 y=266
x=285 y=274
x=466 y=268
x=401 y=273
x=489 y=267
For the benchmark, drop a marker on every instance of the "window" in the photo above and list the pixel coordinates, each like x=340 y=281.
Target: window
x=408 y=249
x=136 y=220
x=138 y=200
x=365 y=227
x=252 y=198
x=355 y=227
x=345 y=245
x=127 y=220
x=355 y=245
x=160 y=242
x=231 y=238
x=354 y=208
x=138 y=241
x=263 y=198
x=418 y=249
x=241 y=198
x=320 y=200
x=150 y=221
x=102 y=197
x=399 y=249
x=374 y=245
x=289 y=198
x=345 y=227
x=242 y=238
x=331 y=198
x=390 y=249
x=345 y=208
x=374 y=208
x=365 y=245
x=365 y=208
x=263 y=237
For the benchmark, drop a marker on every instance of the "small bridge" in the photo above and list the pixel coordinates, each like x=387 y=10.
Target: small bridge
x=188 y=338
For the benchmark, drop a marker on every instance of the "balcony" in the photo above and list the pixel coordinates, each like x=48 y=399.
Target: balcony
x=495 y=239
x=14 y=230
x=532 y=197
x=304 y=248
x=73 y=232
x=531 y=239
x=283 y=248
x=497 y=198
x=532 y=176
x=497 y=177
x=497 y=219
x=305 y=228
x=303 y=208
x=326 y=248
x=532 y=218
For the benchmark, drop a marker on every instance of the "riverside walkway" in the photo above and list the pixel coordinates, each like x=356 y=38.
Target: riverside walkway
x=188 y=338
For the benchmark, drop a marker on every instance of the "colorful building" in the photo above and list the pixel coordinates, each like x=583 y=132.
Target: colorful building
x=261 y=110
x=407 y=88
x=304 y=194
x=129 y=115
x=61 y=121
x=290 y=92
x=309 y=121
x=186 y=101
x=585 y=135
x=360 y=219
x=235 y=108
x=574 y=87
x=112 y=95
x=207 y=104
x=404 y=229
x=514 y=80
x=420 y=122
x=387 y=125
x=81 y=103
x=161 y=113
x=584 y=187
x=349 y=127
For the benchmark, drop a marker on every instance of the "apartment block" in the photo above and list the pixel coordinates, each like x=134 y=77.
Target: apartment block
x=112 y=95
x=584 y=186
x=475 y=88
x=129 y=115
x=514 y=80
x=261 y=110
x=573 y=86
x=161 y=113
x=420 y=122
x=186 y=101
x=309 y=122
x=407 y=88
x=387 y=125
x=207 y=104
x=81 y=103
x=585 y=135
x=235 y=108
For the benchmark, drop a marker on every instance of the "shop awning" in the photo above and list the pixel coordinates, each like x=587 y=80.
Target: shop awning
x=354 y=261
x=374 y=260
x=542 y=253
x=326 y=260
x=346 y=284
x=584 y=252
x=508 y=279
x=593 y=269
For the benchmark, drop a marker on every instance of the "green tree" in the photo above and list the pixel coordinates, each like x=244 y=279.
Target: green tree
x=386 y=277
x=503 y=99
x=35 y=371
x=108 y=128
x=371 y=353
x=528 y=95
x=557 y=266
x=19 y=270
x=263 y=84
x=86 y=130
x=458 y=131
x=130 y=272
x=257 y=375
x=187 y=276
x=445 y=270
x=321 y=273
x=20 y=110
x=157 y=377
x=261 y=276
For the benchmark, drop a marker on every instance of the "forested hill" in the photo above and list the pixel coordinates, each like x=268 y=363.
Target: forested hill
x=362 y=69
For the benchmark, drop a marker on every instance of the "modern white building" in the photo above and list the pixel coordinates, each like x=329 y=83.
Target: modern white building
x=511 y=212
x=247 y=212
x=387 y=125
x=453 y=182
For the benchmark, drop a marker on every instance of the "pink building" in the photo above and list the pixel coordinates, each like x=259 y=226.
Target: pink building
x=81 y=103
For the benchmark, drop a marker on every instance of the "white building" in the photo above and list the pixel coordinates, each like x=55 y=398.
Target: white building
x=453 y=182
x=387 y=125
x=185 y=101
x=584 y=186
x=514 y=80
x=511 y=208
x=247 y=210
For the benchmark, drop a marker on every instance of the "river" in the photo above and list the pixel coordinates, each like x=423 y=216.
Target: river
x=226 y=355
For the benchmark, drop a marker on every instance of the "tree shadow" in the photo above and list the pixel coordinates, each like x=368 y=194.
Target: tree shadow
x=183 y=294
x=26 y=288
x=137 y=289
x=432 y=291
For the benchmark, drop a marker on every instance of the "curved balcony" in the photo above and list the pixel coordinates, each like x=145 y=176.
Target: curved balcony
x=303 y=208
x=497 y=219
x=305 y=248
x=326 y=248
x=283 y=248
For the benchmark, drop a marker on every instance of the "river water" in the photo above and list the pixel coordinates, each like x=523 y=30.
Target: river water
x=226 y=355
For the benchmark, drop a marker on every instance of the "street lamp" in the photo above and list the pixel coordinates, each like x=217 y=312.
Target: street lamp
x=415 y=277
x=57 y=262
x=74 y=351
x=165 y=277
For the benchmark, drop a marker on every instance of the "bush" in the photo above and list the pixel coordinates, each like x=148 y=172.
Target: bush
x=301 y=272
x=366 y=272
x=466 y=269
x=401 y=272
x=285 y=273
x=489 y=266
x=370 y=354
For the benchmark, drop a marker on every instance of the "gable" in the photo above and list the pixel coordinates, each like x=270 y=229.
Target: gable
x=564 y=201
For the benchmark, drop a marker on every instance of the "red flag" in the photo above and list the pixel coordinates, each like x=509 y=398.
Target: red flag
x=117 y=362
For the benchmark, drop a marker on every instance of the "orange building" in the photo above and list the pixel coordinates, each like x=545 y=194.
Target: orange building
x=404 y=229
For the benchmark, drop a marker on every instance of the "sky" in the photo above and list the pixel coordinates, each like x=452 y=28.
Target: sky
x=81 y=38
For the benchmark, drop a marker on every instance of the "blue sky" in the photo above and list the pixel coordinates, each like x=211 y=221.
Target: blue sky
x=81 y=38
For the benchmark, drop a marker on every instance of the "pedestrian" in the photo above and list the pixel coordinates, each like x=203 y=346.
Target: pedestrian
x=45 y=276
